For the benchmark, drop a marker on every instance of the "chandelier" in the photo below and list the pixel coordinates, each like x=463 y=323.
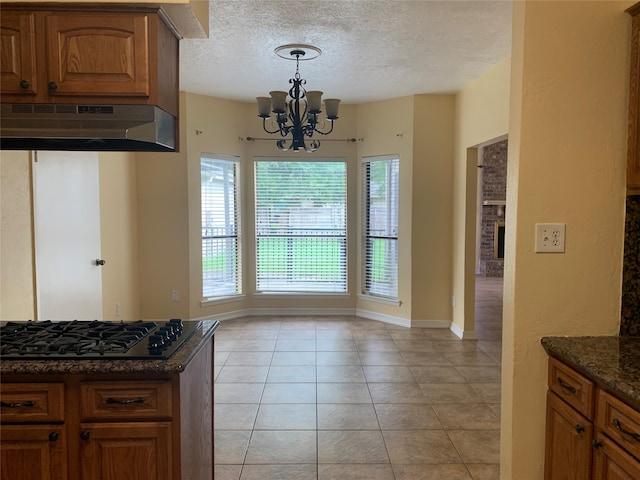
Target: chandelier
x=296 y=112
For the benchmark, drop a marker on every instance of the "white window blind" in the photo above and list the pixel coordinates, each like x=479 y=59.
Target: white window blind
x=380 y=225
x=301 y=226
x=220 y=227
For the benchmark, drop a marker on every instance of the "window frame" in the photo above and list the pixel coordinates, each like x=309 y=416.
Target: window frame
x=237 y=271
x=299 y=292
x=391 y=235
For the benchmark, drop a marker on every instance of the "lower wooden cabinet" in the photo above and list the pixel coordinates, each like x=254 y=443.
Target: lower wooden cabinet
x=612 y=462
x=150 y=426
x=590 y=433
x=114 y=451
x=33 y=452
x=569 y=434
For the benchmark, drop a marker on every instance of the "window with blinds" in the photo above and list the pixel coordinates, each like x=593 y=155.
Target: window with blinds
x=380 y=225
x=220 y=227
x=301 y=241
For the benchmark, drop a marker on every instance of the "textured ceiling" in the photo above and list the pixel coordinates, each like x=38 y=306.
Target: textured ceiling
x=371 y=49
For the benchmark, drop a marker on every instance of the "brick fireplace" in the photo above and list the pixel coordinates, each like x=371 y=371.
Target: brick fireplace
x=493 y=215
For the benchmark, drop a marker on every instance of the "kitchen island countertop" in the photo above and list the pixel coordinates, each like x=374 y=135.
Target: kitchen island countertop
x=612 y=362
x=175 y=364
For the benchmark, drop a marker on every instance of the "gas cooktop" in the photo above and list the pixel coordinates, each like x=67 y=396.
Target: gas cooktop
x=93 y=339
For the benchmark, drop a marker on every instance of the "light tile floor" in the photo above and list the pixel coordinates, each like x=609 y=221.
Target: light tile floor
x=344 y=398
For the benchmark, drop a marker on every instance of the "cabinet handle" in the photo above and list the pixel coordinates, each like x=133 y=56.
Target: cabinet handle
x=84 y=435
x=125 y=402
x=579 y=428
x=26 y=403
x=596 y=443
x=24 y=84
x=53 y=86
x=621 y=429
x=566 y=386
x=53 y=436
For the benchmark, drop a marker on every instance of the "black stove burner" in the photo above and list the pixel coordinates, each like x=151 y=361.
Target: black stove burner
x=93 y=339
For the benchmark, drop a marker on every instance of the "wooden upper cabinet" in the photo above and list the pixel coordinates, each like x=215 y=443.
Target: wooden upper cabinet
x=633 y=151
x=88 y=55
x=18 y=59
x=93 y=54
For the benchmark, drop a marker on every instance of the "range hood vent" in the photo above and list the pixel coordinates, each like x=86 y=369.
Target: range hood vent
x=141 y=128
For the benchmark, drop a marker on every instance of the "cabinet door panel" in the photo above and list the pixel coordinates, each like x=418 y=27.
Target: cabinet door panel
x=116 y=451
x=33 y=452
x=613 y=463
x=568 y=450
x=18 y=53
x=93 y=54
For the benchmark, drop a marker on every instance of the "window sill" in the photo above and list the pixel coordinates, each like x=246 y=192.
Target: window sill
x=218 y=300
x=387 y=301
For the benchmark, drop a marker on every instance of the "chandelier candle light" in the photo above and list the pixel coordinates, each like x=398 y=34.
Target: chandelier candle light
x=296 y=112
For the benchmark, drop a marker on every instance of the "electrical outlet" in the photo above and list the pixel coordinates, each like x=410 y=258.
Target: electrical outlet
x=118 y=310
x=175 y=296
x=550 y=237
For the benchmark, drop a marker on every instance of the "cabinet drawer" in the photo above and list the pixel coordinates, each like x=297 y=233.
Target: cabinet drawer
x=125 y=400
x=572 y=387
x=619 y=421
x=31 y=402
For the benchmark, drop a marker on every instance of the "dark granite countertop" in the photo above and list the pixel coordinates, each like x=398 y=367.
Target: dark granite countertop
x=175 y=364
x=611 y=362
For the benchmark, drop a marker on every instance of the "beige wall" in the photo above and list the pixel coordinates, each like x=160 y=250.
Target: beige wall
x=163 y=230
x=218 y=126
x=482 y=115
x=119 y=235
x=17 y=299
x=431 y=201
x=387 y=128
x=567 y=150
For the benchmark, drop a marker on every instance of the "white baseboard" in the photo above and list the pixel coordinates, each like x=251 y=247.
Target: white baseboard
x=462 y=334
x=381 y=317
x=430 y=323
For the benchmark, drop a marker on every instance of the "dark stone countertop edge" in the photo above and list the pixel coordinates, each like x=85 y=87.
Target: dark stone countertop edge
x=175 y=364
x=611 y=362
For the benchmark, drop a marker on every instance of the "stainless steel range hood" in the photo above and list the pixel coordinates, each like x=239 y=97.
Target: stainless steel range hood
x=25 y=126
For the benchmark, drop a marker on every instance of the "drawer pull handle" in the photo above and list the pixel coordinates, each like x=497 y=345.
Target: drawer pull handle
x=125 y=402
x=621 y=429
x=26 y=403
x=596 y=443
x=84 y=435
x=566 y=386
x=53 y=436
x=579 y=428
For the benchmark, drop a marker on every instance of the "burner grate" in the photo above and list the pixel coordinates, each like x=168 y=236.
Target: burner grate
x=92 y=339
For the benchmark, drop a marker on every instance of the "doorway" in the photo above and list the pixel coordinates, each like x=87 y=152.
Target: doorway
x=491 y=217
